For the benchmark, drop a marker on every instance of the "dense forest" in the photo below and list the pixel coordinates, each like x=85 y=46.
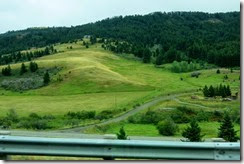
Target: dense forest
x=168 y=37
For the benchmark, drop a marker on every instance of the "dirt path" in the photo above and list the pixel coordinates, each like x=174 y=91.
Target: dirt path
x=191 y=104
x=124 y=116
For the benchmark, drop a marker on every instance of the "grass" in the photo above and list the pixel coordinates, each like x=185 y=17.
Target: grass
x=210 y=129
x=96 y=79
x=58 y=105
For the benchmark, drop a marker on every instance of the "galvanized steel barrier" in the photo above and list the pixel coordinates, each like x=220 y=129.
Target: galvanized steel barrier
x=111 y=149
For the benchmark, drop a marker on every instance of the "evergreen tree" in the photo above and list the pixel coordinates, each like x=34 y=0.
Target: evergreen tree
x=46 y=78
x=211 y=91
x=33 y=67
x=221 y=90
x=146 y=56
x=7 y=71
x=224 y=92
x=122 y=135
x=23 y=69
x=205 y=91
x=216 y=91
x=226 y=130
x=193 y=132
x=228 y=91
x=218 y=71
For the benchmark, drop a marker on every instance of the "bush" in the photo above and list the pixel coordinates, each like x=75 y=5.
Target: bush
x=203 y=116
x=183 y=66
x=5 y=123
x=195 y=74
x=48 y=117
x=180 y=116
x=12 y=116
x=22 y=84
x=106 y=114
x=217 y=115
x=34 y=116
x=33 y=124
x=73 y=122
x=167 y=127
x=135 y=119
x=81 y=115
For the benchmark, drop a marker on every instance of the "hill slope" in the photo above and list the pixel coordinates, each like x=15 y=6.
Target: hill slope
x=95 y=79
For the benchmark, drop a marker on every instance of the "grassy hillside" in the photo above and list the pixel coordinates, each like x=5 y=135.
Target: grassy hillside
x=93 y=77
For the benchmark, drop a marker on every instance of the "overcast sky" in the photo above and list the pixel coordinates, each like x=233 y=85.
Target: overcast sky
x=21 y=14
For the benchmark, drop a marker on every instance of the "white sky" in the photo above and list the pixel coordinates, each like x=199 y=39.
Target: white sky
x=21 y=14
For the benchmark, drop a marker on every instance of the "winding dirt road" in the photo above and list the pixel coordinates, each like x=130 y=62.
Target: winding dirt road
x=123 y=116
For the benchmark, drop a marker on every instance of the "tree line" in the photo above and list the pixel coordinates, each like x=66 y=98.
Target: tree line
x=33 y=67
x=179 y=36
x=220 y=90
x=16 y=57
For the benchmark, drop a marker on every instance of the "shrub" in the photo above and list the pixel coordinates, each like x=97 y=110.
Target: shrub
x=34 y=116
x=81 y=115
x=180 y=117
x=167 y=127
x=12 y=116
x=5 y=123
x=73 y=122
x=106 y=114
x=217 y=115
x=203 y=116
x=195 y=74
x=22 y=84
x=36 y=124
x=183 y=66
x=48 y=117
x=135 y=119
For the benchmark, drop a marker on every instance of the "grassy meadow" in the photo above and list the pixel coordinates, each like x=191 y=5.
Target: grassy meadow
x=95 y=79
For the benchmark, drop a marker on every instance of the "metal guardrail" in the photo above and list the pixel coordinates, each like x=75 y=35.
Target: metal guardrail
x=111 y=149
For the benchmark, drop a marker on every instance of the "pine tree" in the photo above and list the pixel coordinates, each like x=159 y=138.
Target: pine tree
x=193 y=132
x=122 y=135
x=205 y=91
x=224 y=92
x=221 y=90
x=23 y=69
x=228 y=91
x=218 y=71
x=46 y=78
x=7 y=71
x=146 y=56
x=216 y=91
x=33 y=67
x=226 y=130
x=211 y=91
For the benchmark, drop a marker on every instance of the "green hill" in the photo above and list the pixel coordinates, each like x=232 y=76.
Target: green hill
x=96 y=79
